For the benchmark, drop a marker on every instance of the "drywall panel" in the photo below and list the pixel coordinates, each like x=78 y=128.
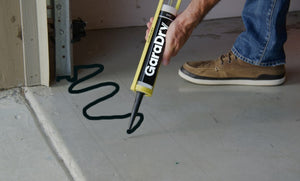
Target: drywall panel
x=122 y=13
x=11 y=51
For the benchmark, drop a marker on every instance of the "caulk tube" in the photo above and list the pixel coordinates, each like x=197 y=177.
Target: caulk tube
x=151 y=58
x=154 y=53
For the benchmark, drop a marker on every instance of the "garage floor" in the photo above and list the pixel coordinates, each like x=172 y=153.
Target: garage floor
x=190 y=132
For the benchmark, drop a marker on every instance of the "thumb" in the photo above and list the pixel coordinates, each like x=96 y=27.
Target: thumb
x=166 y=57
x=167 y=53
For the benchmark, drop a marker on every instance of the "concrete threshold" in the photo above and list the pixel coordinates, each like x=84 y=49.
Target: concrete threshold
x=53 y=137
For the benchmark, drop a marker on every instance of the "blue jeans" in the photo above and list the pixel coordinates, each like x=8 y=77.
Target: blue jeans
x=262 y=41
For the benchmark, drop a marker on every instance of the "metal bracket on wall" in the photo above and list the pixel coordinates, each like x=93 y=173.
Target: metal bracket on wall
x=63 y=47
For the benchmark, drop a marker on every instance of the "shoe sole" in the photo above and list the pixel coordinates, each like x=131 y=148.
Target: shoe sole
x=239 y=81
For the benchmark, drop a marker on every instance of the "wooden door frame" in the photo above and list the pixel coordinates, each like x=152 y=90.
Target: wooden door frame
x=35 y=42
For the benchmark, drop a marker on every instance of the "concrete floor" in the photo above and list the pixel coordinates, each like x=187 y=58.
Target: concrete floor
x=190 y=132
x=24 y=153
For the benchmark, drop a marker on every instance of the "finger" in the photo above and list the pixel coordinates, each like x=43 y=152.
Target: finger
x=147 y=33
x=165 y=62
x=149 y=24
x=151 y=19
x=169 y=50
x=166 y=57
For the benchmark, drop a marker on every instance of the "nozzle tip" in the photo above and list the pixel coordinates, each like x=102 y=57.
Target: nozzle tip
x=134 y=112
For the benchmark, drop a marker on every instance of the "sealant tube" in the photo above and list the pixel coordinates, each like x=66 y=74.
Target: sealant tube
x=145 y=77
x=151 y=58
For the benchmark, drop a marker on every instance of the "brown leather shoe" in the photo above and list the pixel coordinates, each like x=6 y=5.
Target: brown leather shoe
x=230 y=70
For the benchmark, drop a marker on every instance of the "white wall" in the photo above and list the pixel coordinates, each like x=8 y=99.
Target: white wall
x=123 y=13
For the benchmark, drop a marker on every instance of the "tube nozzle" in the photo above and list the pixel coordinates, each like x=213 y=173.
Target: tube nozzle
x=138 y=99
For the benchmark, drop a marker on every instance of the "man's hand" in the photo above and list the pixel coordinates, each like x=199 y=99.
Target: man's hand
x=177 y=35
x=182 y=27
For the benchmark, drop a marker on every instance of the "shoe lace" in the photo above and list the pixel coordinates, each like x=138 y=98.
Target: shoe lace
x=225 y=58
x=228 y=58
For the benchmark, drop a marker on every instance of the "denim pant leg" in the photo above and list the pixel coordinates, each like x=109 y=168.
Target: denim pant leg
x=265 y=32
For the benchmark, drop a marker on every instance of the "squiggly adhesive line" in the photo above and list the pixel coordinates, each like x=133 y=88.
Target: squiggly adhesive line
x=75 y=81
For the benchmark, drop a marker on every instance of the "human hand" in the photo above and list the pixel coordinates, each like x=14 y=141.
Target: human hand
x=177 y=34
x=182 y=27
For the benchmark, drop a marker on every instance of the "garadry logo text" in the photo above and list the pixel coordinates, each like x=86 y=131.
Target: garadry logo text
x=157 y=50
